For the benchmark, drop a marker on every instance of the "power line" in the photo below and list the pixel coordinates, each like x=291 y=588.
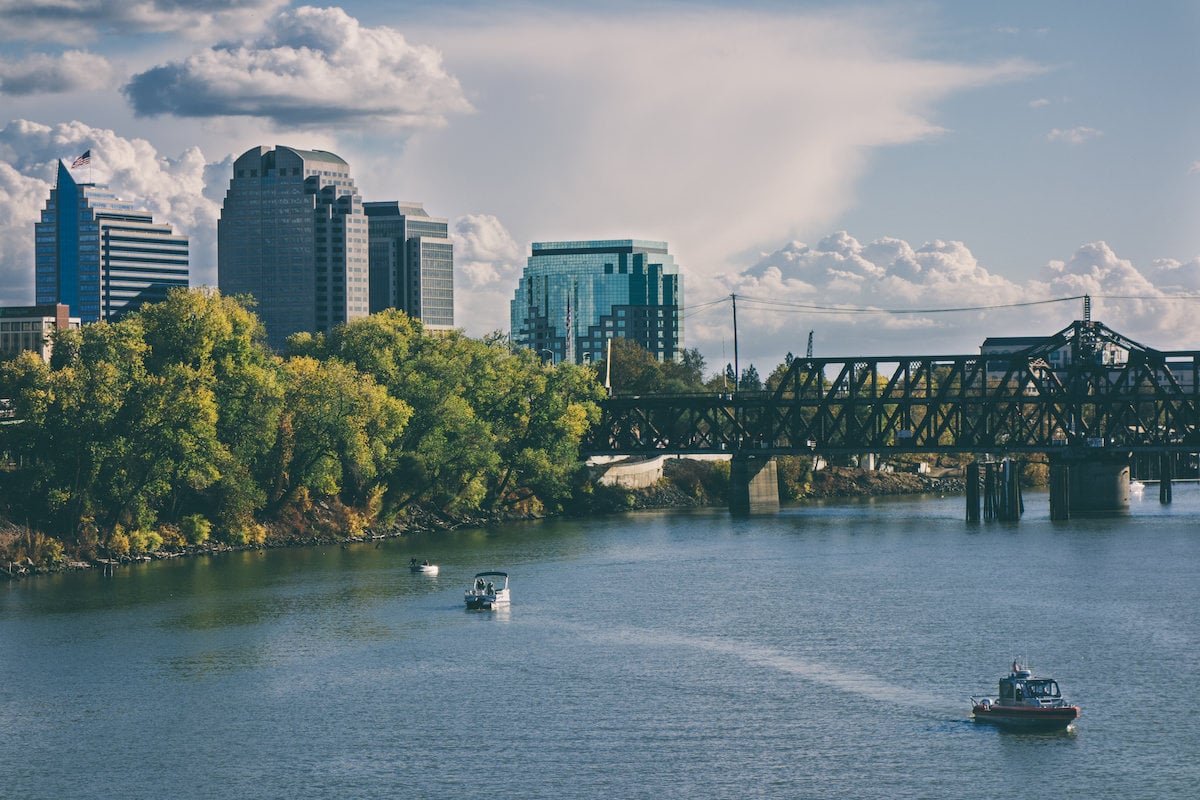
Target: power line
x=784 y=305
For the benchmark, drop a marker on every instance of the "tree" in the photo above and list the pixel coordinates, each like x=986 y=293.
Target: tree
x=750 y=381
x=337 y=432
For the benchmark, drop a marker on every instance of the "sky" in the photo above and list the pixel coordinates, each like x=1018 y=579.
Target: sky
x=898 y=177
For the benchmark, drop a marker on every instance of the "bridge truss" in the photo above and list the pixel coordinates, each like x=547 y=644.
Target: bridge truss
x=1086 y=388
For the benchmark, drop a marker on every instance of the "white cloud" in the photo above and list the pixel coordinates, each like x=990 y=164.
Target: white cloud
x=829 y=286
x=713 y=130
x=83 y=20
x=314 y=67
x=1073 y=136
x=1040 y=102
x=172 y=189
x=41 y=73
x=487 y=266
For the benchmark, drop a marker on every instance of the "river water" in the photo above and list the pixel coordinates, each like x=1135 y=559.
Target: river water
x=829 y=651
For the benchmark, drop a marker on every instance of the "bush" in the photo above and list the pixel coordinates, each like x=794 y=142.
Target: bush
x=247 y=535
x=118 y=543
x=195 y=529
x=144 y=541
x=36 y=546
x=795 y=476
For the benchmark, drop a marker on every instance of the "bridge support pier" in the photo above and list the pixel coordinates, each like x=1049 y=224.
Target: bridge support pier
x=1001 y=495
x=1093 y=486
x=1165 y=470
x=754 y=485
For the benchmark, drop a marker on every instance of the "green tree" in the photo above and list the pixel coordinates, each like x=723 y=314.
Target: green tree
x=337 y=432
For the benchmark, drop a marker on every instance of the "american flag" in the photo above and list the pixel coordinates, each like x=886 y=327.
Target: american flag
x=86 y=158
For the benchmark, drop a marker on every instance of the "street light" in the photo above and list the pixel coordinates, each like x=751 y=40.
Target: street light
x=548 y=352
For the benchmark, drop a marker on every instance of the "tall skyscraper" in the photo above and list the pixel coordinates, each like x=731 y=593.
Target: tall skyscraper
x=100 y=256
x=575 y=296
x=412 y=263
x=293 y=234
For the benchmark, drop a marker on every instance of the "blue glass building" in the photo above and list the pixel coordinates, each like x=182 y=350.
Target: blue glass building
x=575 y=296
x=101 y=256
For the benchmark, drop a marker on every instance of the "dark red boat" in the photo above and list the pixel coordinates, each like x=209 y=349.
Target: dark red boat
x=1026 y=703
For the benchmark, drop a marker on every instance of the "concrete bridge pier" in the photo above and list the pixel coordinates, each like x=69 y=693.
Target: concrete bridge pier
x=1093 y=486
x=753 y=485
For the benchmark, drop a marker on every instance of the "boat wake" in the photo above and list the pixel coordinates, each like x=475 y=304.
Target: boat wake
x=851 y=682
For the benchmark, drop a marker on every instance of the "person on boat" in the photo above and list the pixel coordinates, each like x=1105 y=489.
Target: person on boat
x=491 y=587
x=479 y=584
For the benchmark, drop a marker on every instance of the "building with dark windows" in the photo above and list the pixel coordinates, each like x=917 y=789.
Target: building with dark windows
x=293 y=234
x=575 y=296
x=412 y=263
x=30 y=327
x=101 y=256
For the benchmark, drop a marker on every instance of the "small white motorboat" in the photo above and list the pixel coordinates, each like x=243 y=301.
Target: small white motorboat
x=1026 y=703
x=423 y=567
x=488 y=590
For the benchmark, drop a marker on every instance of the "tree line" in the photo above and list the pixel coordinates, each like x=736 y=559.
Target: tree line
x=177 y=423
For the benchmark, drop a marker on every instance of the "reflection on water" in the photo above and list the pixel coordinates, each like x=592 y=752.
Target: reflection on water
x=830 y=650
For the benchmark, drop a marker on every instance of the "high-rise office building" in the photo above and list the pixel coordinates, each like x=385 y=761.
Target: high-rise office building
x=575 y=296
x=412 y=263
x=293 y=234
x=101 y=256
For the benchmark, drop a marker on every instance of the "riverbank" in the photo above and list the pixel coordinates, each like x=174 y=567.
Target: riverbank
x=853 y=482
x=685 y=485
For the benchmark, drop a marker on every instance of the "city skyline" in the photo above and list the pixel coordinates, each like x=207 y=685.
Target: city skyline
x=899 y=155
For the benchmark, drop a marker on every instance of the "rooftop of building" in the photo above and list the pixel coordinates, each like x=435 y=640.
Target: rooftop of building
x=599 y=246
x=394 y=208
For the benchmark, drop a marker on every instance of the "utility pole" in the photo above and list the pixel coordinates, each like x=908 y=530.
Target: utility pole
x=737 y=370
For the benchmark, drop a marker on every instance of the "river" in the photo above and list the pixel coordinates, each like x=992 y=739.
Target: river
x=829 y=651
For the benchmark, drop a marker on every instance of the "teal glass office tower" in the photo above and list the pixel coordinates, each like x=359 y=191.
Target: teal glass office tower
x=412 y=263
x=575 y=296
x=293 y=234
x=100 y=256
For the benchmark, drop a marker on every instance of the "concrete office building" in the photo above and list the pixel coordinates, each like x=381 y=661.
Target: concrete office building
x=575 y=296
x=412 y=263
x=101 y=256
x=293 y=234
x=30 y=327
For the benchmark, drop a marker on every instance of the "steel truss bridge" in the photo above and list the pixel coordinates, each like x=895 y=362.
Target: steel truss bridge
x=1087 y=390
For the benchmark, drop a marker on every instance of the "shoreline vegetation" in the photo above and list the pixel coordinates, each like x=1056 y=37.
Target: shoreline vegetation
x=177 y=430
x=687 y=484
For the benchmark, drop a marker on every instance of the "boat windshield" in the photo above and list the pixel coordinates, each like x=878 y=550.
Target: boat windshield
x=1042 y=688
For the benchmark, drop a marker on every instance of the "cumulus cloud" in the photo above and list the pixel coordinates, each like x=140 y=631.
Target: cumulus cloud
x=42 y=73
x=314 y=67
x=766 y=120
x=487 y=264
x=83 y=20
x=890 y=298
x=1073 y=135
x=170 y=188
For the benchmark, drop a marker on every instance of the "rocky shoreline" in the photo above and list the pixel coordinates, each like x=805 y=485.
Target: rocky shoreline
x=320 y=529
